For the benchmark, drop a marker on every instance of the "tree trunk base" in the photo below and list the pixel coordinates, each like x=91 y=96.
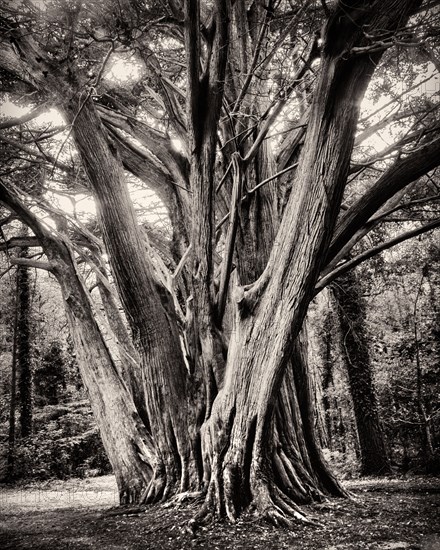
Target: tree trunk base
x=267 y=503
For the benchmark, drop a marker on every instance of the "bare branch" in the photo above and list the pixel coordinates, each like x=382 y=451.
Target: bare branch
x=395 y=99
x=46 y=157
x=16 y=121
x=272 y=113
x=47 y=266
x=254 y=189
x=230 y=237
x=404 y=171
x=398 y=115
x=322 y=283
x=19 y=242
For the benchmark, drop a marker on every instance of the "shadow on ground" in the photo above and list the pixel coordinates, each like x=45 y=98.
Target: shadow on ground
x=394 y=514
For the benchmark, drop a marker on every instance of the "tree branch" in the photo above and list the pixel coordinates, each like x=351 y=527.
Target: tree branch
x=16 y=121
x=19 y=242
x=47 y=266
x=322 y=283
x=399 y=175
x=230 y=238
x=254 y=189
x=46 y=157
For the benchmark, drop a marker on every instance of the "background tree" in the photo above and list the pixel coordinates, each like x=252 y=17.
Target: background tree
x=24 y=351
x=355 y=351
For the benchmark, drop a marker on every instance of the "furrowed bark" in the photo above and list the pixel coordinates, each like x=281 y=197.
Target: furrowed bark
x=146 y=303
x=204 y=100
x=241 y=422
x=125 y=438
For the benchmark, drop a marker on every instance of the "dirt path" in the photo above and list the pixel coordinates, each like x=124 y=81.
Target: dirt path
x=98 y=492
x=80 y=514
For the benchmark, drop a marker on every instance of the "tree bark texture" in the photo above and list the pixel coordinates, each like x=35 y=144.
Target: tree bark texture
x=148 y=307
x=126 y=440
x=251 y=390
x=24 y=347
x=235 y=436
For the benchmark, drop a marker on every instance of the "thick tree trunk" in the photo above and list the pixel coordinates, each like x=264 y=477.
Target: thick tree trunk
x=148 y=307
x=128 y=444
x=356 y=354
x=271 y=465
x=270 y=312
x=129 y=361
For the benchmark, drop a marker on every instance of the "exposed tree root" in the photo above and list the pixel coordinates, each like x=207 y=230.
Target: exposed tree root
x=124 y=511
x=269 y=504
x=178 y=499
x=276 y=508
x=130 y=496
x=155 y=489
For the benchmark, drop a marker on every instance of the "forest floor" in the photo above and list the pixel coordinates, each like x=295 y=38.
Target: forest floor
x=390 y=514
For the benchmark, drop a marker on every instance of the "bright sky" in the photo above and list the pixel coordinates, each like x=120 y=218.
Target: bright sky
x=124 y=68
x=385 y=137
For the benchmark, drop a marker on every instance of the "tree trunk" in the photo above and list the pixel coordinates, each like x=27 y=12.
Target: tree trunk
x=270 y=312
x=13 y=401
x=24 y=347
x=129 y=360
x=148 y=307
x=426 y=438
x=128 y=444
x=356 y=354
x=328 y=382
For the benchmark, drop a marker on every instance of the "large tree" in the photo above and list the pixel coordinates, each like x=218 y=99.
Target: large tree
x=215 y=306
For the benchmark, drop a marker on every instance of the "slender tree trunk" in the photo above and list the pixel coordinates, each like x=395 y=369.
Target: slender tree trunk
x=13 y=401
x=327 y=381
x=427 y=446
x=24 y=348
x=356 y=354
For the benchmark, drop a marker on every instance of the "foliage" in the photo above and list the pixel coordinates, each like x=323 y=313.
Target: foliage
x=67 y=447
x=391 y=285
x=405 y=321
x=65 y=440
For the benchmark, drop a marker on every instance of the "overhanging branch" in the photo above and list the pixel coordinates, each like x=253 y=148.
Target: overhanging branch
x=398 y=176
x=322 y=283
x=26 y=262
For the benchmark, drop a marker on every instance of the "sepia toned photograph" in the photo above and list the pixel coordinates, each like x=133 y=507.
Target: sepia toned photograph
x=219 y=274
